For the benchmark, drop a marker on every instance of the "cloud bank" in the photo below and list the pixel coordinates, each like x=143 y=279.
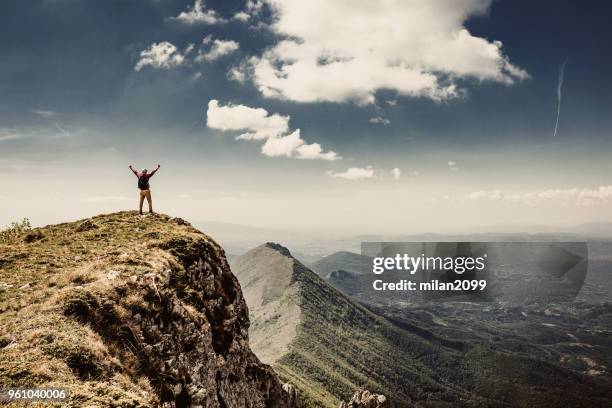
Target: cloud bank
x=346 y=50
x=258 y=124
x=572 y=196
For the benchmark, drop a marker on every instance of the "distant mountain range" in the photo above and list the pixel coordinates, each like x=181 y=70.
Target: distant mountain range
x=350 y=273
x=594 y=229
x=310 y=247
x=328 y=344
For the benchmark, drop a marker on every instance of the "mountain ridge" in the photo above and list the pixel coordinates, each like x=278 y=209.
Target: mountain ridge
x=338 y=345
x=326 y=361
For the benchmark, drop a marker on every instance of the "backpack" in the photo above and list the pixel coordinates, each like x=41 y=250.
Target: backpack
x=143 y=182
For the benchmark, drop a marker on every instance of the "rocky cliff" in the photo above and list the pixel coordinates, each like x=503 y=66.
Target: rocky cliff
x=129 y=311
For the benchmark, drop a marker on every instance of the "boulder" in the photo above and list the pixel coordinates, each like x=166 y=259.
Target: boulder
x=365 y=399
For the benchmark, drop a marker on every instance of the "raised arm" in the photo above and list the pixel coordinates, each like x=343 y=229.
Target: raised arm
x=154 y=171
x=133 y=171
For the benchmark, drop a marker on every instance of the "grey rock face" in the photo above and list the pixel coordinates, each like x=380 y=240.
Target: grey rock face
x=195 y=335
x=292 y=393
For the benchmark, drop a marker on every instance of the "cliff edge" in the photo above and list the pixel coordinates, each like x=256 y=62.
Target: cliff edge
x=129 y=311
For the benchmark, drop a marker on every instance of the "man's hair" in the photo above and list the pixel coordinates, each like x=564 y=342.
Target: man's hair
x=144 y=170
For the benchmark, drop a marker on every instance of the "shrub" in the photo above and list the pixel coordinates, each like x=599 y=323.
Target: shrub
x=15 y=229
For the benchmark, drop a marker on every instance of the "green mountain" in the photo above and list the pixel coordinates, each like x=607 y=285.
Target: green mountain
x=329 y=345
x=346 y=282
x=345 y=260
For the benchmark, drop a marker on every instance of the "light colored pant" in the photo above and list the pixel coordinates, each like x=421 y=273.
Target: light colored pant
x=146 y=194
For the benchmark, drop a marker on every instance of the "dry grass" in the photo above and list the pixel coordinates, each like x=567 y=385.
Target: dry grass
x=51 y=276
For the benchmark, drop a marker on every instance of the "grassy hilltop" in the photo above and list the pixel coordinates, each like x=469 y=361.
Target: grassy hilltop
x=127 y=311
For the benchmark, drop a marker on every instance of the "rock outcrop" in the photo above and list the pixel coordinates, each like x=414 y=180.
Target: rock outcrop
x=131 y=311
x=365 y=399
x=292 y=393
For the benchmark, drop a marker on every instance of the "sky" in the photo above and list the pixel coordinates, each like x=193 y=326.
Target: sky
x=360 y=116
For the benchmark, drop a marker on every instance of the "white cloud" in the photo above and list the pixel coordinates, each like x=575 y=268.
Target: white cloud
x=15 y=136
x=10 y=134
x=62 y=130
x=237 y=74
x=294 y=146
x=380 y=121
x=314 y=151
x=354 y=173
x=242 y=16
x=396 y=173
x=218 y=49
x=253 y=7
x=258 y=124
x=282 y=146
x=165 y=55
x=572 y=196
x=162 y=55
x=198 y=14
x=453 y=166
x=347 y=50
x=44 y=113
